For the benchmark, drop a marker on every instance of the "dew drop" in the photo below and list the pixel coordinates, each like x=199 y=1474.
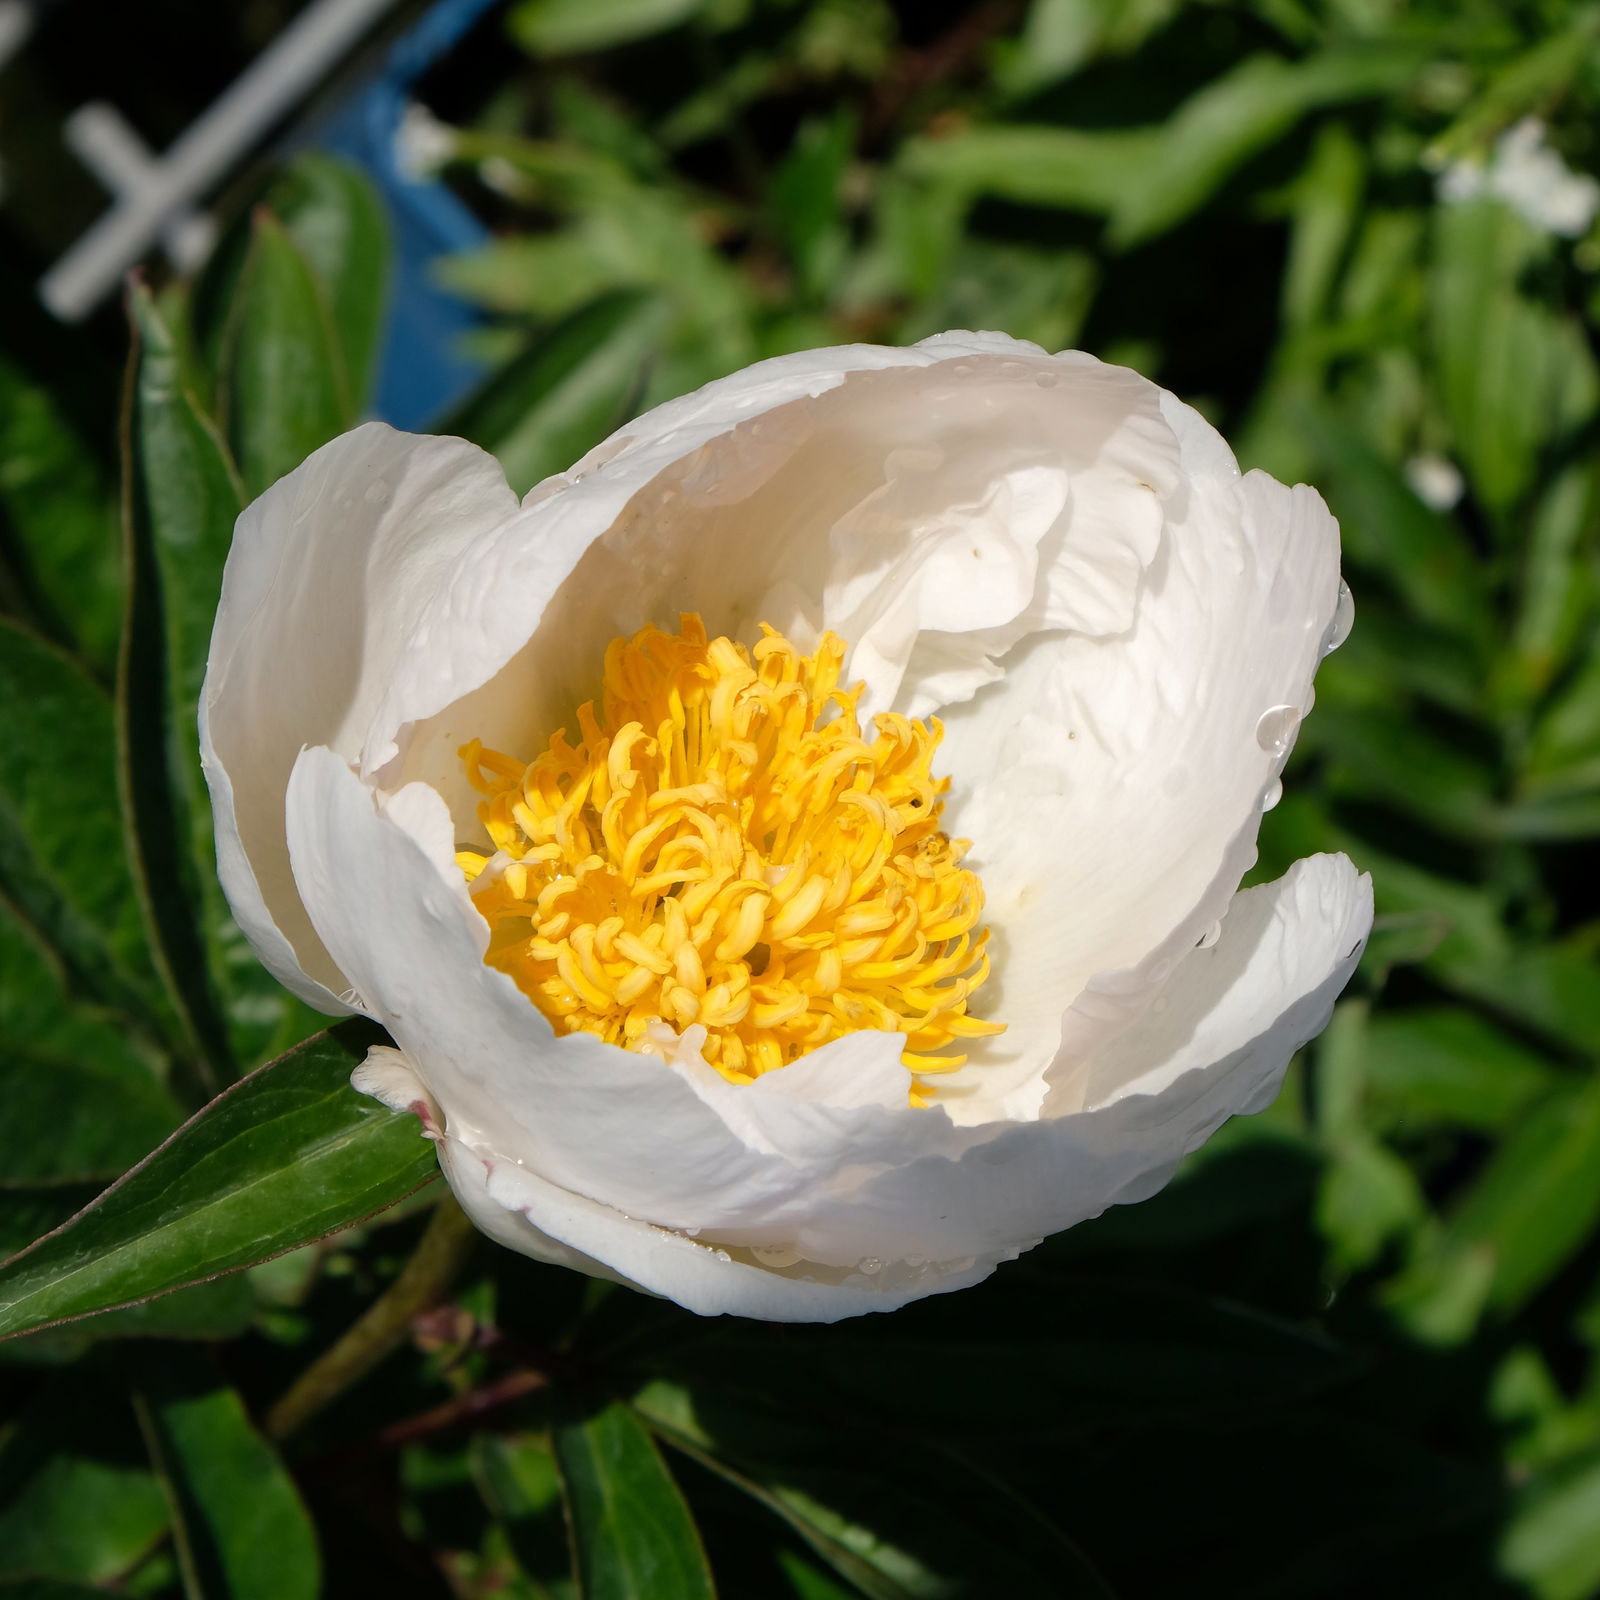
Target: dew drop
x=1344 y=616
x=722 y=1255
x=1210 y=936
x=962 y=369
x=1046 y=380
x=1276 y=729
x=870 y=1265
x=1272 y=795
x=775 y=1255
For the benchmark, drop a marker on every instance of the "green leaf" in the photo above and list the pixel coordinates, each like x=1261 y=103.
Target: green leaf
x=1244 y=111
x=286 y=1155
x=566 y=391
x=283 y=374
x=333 y=213
x=67 y=1068
x=1444 y=1064
x=1536 y=1203
x=1551 y=1541
x=805 y=200
x=861 y=1501
x=62 y=863
x=241 y=1531
x=1368 y=1197
x=182 y=498
x=1147 y=180
x=78 y=1502
x=568 y=27
x=58 y=521
x=224 y=1308
x=1393 y=537
x=1327 y=206
x=1516 y=378
x=521 y=1485
x=632 y=1535
x=1035 y=164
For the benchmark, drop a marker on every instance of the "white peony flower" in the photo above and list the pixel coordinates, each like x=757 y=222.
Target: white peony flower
x=710 y=1016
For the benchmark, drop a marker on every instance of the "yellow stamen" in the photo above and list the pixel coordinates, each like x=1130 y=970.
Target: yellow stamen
x=725 y=846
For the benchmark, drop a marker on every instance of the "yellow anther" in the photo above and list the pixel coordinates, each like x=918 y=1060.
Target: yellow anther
x=724 y=845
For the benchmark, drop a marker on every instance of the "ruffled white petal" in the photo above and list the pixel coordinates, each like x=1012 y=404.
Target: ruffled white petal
x=1121 y=632
x=329 y=579
x=935 y=499
x=1113 y=786
x=630 y=1160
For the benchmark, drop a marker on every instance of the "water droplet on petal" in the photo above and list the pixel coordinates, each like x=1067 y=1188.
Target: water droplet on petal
x=1276 y=729
x=870 y=1265
x=1344 y=616
x=722 y=1255
x=1046 y=380
x=962 y=369
x=1272 y=795
x=1210 y=936
x=775 y=1255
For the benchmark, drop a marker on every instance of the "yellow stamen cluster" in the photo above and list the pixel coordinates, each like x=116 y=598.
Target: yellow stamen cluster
x=724 y=846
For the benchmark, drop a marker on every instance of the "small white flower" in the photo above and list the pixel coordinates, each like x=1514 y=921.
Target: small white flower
x=1531 y=178
x=1062 y=562
x=1435 y=481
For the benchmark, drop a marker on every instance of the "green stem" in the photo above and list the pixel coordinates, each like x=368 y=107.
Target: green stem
x=422 y=1283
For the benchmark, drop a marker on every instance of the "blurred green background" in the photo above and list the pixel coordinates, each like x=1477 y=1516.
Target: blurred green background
x=1353 y=1348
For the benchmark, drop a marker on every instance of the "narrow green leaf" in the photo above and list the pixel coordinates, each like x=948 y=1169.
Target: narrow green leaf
x=567 y=27
x=565 y=392
x=62 y=863
x=521 y=1485
x=806 y=200
x=633 y=1537
x=1552 y=1539
x=58 y=521
x=283 y=374
x=1393 y=537
x=1534 y=1206
x=333 y=213
x=1368 y=1197
x=286 y=1155
x=221 y=1309
x=68 y=1068
x=1244 y=111
x=1516 y=378
x=861 y=1500
x=181 y=501
x=1444 y=1064
x=78 y=1502
x=242 y=1533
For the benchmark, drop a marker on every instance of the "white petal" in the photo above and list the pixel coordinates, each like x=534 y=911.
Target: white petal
x=894 y=496
x=1112 y=787
x=521 y=1210
x=1218 y=1048
x=645 y=1137
x=1276 y=945
x=330 y=573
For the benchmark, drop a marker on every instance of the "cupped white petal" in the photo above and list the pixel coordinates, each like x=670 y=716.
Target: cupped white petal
x=942 y=499
x=522 y=1210
x=641 y=1164
x=331 y=573
x=1112 y=786
x=1229 y=1024
x=666 y=1140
